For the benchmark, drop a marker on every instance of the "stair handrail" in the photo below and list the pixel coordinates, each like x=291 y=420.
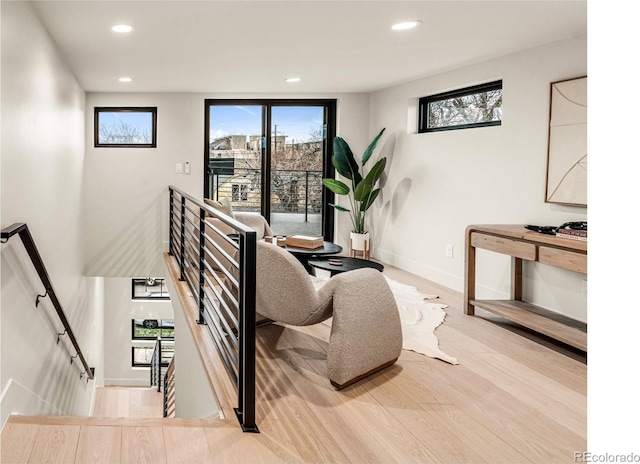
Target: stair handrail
x=21 y=229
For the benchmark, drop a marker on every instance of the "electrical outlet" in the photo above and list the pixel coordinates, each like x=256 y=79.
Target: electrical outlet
x=449 y=251
x=584 y=288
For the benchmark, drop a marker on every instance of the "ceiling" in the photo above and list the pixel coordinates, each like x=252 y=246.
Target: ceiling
x=252 y=46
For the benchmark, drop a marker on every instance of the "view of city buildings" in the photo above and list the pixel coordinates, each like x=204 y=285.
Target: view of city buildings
x=296 y=178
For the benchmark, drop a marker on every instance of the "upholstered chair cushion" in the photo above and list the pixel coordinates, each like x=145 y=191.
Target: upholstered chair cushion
x=366 y=334
x=284 y=290
x=223 y=205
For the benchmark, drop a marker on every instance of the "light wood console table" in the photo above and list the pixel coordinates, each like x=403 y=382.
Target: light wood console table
x=522 y=244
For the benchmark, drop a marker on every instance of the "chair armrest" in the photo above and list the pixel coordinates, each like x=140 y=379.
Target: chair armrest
x=254 y=220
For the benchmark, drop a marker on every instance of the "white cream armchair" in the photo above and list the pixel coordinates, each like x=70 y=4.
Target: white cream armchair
x=366 y=335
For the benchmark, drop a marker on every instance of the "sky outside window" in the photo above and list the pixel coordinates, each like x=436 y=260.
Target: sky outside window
x=295 y=122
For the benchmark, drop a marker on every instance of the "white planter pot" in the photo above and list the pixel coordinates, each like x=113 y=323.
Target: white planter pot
x=360 y=242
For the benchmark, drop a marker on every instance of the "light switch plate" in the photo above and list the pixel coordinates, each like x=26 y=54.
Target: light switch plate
x=178 y=168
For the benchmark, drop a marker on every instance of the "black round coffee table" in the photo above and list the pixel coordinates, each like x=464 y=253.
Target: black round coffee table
x=304 y=254
x=348 y=264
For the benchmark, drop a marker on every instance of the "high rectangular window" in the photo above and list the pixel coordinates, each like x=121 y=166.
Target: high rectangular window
x=151 y=329
x=149 y=288
x=133 y=127
x=141 y=355
x=476 y=106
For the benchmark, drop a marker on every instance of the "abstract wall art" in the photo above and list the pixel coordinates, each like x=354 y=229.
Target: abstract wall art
x=567 y=153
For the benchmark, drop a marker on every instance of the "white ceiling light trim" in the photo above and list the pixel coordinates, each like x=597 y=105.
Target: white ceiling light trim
x=293 y=79
x=404 y=25
x=125 y=79
x=122 y=28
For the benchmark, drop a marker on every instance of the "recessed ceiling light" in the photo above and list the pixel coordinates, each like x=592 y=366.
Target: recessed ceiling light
x=122 y=28
x=293 y=79
x=125 y=79
x=404 y=25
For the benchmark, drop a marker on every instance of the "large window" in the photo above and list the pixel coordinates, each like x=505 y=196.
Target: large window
x=149 y=288
x=270 y=156
x=151 y=329
x=477 y=106
x=132 y=127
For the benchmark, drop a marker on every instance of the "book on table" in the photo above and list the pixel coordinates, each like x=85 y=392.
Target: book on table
x=572 y=234
x=305 y=241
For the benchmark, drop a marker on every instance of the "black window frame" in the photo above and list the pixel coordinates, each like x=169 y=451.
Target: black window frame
x=424 y=102
x=133 y=356
x=330 y=124
x=155 y=298
x=153 y=110
x=150 y=337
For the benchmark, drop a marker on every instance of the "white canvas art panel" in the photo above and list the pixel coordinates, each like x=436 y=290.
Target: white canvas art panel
x=567 y=156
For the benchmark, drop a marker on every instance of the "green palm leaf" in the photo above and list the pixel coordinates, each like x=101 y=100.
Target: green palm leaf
x=369 y=151
x=340 y=208
x=344 y=161
x=336 y=186
x=367 y=202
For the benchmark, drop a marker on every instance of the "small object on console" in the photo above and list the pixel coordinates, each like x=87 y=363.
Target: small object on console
x=549 y=230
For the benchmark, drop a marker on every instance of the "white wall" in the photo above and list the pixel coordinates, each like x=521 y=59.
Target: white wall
x=120 y=309
x=194 y=395
x=439 y=183
x=126 y=202
x=42 y=184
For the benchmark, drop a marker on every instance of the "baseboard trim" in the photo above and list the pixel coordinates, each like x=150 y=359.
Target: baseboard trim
x=17 y=399
x=126 y=382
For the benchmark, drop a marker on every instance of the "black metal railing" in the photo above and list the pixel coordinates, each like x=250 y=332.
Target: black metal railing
x=169 y=391
x=220 y=270
x=292 y=190
x=155 y=370
x=162 y=355
x=22 y=230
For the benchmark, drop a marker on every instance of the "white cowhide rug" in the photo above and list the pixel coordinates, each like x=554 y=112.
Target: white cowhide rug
x=419 y=318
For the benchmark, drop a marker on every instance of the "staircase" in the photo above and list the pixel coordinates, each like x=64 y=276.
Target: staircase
x=95 y=440
x=126 y=426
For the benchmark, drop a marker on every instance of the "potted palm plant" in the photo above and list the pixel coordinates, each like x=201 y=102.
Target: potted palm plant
x=362 y=192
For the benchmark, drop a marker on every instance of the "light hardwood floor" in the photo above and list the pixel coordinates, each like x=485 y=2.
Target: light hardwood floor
x=512 y=399
x=127 y=402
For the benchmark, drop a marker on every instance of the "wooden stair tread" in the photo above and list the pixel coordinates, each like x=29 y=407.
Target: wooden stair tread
x=120 y=421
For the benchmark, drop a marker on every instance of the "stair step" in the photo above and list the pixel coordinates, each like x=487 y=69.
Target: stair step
x=119 y=421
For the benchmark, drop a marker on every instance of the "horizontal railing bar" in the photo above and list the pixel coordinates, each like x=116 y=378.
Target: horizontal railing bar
x=211 y=311
x=231 y=369
x=186 y=218
x=222 y=301
x=216 y=326
x=210 y=303
x=220 y=234
x=195 y=213
x=221 y=267
x=234 y=223
x=225 y=255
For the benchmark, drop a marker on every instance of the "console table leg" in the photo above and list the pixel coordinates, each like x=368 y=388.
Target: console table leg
x=470 y=278
x=516 y=279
